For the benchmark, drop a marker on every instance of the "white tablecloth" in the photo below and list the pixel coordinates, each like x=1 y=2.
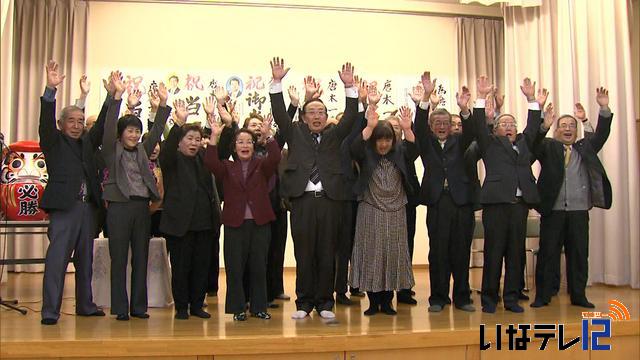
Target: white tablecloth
x=158 y=274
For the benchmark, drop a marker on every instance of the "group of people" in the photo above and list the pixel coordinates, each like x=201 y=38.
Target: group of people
x=349 y=184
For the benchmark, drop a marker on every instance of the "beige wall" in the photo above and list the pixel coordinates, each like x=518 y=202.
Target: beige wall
x=165 y=37
x=635 y=63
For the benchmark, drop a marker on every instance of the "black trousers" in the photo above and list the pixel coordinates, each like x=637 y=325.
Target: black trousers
x=190 y=268
x=411 y=234
x=246 y=247
x=129 y=226
x=505 y=227
x=214 y=261
x=345 y=246
x=450 y=233
x=70 y=232
x=275 y=260
x=571 y=230
x=314 y=227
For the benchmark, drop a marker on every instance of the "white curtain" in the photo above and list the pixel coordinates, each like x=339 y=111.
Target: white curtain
x=571 y=47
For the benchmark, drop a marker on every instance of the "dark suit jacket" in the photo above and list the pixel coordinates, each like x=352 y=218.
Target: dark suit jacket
x=303 y=152
x=440 y=163
x=65 y=165
x=506 y=168
x=116 y=186
x=181 y=187
x=238 y=193
x=368 y=160
x=550 y=153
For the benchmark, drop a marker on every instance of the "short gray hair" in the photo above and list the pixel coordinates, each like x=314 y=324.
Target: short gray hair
x=67 y=110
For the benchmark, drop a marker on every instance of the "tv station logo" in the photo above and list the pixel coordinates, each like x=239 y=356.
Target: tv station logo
x=596 y=326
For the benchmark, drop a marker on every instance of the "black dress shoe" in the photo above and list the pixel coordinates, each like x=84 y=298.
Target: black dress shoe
x=262 y=315
x=48 y=321
x=200 y=313
x=357 y=293
x=490 y=309
x=405 y=298
x=523 y=296
x=140 y=316
x=343 y=299
x=240 y=317
x=181 y=315
x=122 y=317
x=96 y=313
x=372 y=310
x=539 y=303
x=514 y=308
x=388 y=309
x=583 y=303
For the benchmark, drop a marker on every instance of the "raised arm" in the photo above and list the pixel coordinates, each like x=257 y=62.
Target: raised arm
x=270 y=163
x=282 y=118
x=211 y=158
x=160 y=121
x=169 y=150
x=47 y=130
x=605 y=117
x=294 y=103
x=110 y=127
x=351 y=106
x=482 y=133
x=536 y=103
x=85 y=87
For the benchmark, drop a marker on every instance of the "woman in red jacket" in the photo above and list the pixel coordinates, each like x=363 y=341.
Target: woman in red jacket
x=246 y=215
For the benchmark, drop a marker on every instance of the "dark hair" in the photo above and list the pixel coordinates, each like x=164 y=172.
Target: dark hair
x=189 y=127
x=126 y=121
x=253 y=115
x=304 y=107
x=254 y=138
x=566 y=116
x=383 y=130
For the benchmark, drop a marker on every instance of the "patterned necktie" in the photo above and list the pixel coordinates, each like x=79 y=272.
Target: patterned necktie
x=567 y=155
x=315 y=173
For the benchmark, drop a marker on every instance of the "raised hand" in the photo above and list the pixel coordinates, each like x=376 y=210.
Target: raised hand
x=278 y=71
x=221 y=95
x=54 y=78
x=154 y=99
x=602 y=97
x=108 y=85
x=427 y=84
x=417 y=93
x=483 y=87
x=541 y=99
x=362 y=86
x=490 y=107
x=134 y=98
x=163 y=94
x=346 y=75
x=293 y=96
x=406 y=117
x=373 y=95
x=216 y=129
x=372 y=116
x=499 y=99
x=312 y=89
x=579 y=113
x=118 y=84
x=209 y=105
x=462 y=98
x=265 y=129
x=85 y=86
x=549 y=116
x=434 y=99
x=528 y=89
x=180 y=112
x=225 y=115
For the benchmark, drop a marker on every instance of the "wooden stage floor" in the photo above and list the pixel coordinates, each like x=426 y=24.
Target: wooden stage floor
x=413 y=333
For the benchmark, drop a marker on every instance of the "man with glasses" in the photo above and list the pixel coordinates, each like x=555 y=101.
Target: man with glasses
x=508 y=191
x=446 y=192
x=572 y=181
x=313 y=181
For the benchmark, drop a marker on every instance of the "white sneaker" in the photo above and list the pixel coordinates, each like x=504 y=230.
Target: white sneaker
x=300 y=314
x=326 y=314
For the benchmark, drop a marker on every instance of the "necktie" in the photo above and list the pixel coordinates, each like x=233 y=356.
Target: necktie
x=567 y=155
x=315 y=173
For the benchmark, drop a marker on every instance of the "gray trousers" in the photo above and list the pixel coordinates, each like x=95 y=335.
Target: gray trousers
x=70 y=231
x=129 y=224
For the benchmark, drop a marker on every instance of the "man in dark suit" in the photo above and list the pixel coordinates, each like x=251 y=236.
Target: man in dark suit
x=508 y=191
x=572 y=181
x=313 y=181
x=72 y=198
x=446 y=192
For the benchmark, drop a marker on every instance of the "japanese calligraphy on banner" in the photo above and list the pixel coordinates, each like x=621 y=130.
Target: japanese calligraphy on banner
x=250 y=91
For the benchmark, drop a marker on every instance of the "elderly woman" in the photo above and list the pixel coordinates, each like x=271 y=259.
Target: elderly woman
x=380 y=259
x=246 y=215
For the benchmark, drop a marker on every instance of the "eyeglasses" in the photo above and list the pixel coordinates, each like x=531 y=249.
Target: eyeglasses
x=507 y=125
x=240 y=142
x=442 y=123
x=567 y=126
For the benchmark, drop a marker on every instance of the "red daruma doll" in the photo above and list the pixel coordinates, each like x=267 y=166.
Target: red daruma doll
x=22 y=181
